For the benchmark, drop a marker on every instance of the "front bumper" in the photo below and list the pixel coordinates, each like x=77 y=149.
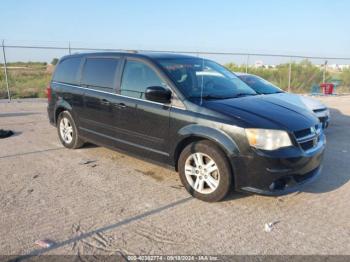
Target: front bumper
x=278 y=173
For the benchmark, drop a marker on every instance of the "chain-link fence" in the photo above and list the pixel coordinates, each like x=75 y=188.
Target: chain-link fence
x=26 y=69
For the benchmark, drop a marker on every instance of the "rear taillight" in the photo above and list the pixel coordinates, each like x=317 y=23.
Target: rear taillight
x=48 y=93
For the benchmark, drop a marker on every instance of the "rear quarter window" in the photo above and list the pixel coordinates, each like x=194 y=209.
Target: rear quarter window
x=67 y=71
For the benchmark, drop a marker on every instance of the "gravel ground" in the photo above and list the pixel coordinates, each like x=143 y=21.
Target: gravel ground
x=97 y=201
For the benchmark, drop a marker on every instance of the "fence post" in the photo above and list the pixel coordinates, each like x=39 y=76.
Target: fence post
x=69 y=49
x=289 y=74
x=246 y=64
x=5 y=70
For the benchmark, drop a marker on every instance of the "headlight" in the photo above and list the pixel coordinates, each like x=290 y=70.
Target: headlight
x=267 y=139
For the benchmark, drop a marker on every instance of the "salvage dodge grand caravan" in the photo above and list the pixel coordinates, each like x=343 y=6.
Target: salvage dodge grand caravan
x=190 y=113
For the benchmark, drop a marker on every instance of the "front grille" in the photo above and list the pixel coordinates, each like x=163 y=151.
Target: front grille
x=308 y=138
x=307 y=145
x=302 y=133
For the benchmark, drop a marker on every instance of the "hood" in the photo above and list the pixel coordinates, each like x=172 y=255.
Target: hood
x=264 y=112
x=299 y=100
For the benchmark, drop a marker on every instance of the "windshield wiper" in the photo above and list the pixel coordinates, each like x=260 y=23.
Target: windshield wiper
x=271 y=93
x=243 y=94
x=213 y=97
x=209 y=97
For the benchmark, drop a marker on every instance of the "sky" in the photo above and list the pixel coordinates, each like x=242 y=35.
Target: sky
x=293 y=27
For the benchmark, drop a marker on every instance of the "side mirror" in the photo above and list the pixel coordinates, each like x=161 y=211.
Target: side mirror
x=158 y=94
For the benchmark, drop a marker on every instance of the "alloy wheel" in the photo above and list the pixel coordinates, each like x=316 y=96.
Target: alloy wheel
x=66 y=130
x=202 y=173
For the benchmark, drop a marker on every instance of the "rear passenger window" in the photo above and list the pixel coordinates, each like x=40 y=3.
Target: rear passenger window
x=67 y=71
x=137 y=76
x=100 y=72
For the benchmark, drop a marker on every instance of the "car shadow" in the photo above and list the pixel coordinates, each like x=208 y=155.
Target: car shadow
x=88 y=145
x=14 y=114
x=31 y=152
x=234 y=195
x=335 y=172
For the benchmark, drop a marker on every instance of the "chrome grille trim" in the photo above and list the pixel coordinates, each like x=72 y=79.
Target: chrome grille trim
x=306 y=138
x=313 y=134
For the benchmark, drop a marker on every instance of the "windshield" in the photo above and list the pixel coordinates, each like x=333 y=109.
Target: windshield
x=260 y=85
x=204 y=79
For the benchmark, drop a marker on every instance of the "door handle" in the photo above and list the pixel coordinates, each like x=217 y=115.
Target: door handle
x=105 y=102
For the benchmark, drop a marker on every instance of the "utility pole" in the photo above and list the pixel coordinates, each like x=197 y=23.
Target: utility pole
x=324 y=71
x=5 y=70
x=289 y=74
x=69 y=49
x=246 y=64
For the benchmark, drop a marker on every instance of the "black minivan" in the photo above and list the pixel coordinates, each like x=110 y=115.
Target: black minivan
x=190 y=113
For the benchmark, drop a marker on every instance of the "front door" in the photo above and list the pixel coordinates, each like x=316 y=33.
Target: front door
x=143 y=124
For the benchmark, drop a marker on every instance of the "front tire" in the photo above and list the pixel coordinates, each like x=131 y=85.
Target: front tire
x=67 y=131
x=205 y=171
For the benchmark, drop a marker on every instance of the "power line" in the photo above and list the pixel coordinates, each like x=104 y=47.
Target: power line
x=173 y=51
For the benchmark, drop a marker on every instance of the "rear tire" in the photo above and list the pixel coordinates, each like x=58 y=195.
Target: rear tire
x=67 y=131
x=205 y=171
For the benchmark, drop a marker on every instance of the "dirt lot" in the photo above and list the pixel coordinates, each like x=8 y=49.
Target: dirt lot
x=117 y=203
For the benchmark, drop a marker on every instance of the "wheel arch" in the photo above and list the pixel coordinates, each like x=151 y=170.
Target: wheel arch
x=60 y=107
x=195 y=133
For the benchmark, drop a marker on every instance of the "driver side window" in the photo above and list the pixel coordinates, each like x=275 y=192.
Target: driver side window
x=137 y=77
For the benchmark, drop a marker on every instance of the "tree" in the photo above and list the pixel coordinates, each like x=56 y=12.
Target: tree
x=304 y=75
x=54 y=61
x=345 y=77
